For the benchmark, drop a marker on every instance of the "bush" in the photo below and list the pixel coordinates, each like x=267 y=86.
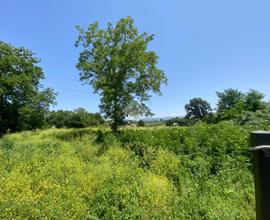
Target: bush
x=180 y=122
x=141 y=123
x=256 y=120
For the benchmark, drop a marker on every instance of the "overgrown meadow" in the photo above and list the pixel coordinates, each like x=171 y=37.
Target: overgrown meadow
x=197 y=172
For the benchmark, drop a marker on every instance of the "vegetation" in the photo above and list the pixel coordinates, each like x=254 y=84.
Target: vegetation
x=232 y=103
x=241 y=108
x=141 y=123
x=116 y=62
x=197 y=172
x=79 y=118
x=23 y=102
x=197 y=109
x=180 y=121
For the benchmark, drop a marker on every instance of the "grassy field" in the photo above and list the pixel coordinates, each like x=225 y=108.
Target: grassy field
x=198 y=172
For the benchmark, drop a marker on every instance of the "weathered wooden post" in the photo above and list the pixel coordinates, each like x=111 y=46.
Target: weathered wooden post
x=260 y=146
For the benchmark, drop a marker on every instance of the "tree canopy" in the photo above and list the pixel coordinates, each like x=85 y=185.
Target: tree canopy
x=79 y=118
x=120 y=68
x=229 y=98
x=254 y=101
x=197 y=109
x=232 y=103
x=24 y=103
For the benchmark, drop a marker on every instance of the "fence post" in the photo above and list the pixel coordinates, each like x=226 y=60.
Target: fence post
x=260 y=147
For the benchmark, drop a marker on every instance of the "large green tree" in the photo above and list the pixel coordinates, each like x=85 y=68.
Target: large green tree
x=23 y=102
x=197 y=109
x=229 y=98
x=254 y=101
x=120 y=68
x=230 y=104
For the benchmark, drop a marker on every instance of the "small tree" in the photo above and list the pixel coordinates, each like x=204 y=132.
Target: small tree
x=116 y=62
x=141 y=123
x=197 y=109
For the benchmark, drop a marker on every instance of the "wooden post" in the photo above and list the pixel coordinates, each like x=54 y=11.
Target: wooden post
x=260 y=146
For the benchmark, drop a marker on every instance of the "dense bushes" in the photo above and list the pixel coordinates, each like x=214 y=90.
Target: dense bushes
x=198 y=172
x=141 y=123
x=79 y=118
x=180 y=122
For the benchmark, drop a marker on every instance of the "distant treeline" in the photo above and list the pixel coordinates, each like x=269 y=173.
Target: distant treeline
x=79 y=118
x=248 y=108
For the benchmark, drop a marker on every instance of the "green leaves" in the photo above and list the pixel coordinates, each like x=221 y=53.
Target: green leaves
x=79 y=118
x=116 y=62
x=235 y=105
x=197 y=109
x=196 y=172
x=23 y=105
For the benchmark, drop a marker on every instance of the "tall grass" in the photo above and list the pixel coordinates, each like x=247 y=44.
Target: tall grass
x=198 y=172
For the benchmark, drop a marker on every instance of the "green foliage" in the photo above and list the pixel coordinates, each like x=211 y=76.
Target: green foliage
x=229 y=99
x=116 y=62
x=233 y=104
x=180 y=122
x=254 y=101
x=197 y=109
x=141 y=123
x=197 y=172
x=59 y=118
x=256 y=120
x=79 y=118
x=23 y=105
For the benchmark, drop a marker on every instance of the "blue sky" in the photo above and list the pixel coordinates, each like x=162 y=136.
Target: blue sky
x=204 y=46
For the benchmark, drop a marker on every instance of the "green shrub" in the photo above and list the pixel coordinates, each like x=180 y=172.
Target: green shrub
x=141 y=123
